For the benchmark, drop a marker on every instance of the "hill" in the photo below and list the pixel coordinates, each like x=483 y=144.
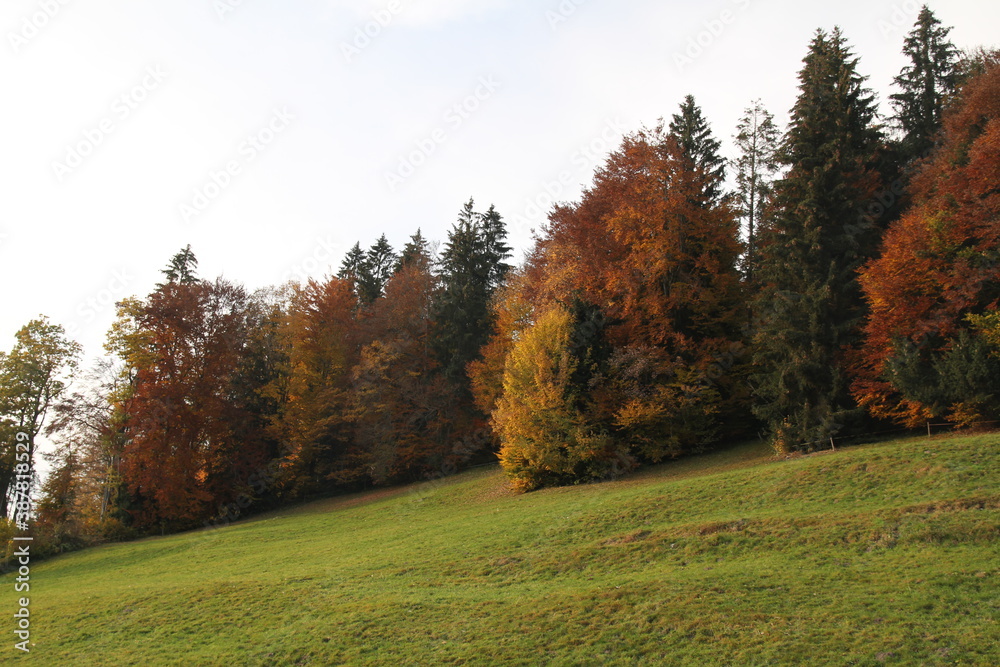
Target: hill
x=878 y=554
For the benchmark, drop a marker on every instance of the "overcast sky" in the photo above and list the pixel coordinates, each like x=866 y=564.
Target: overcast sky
x=273 y=135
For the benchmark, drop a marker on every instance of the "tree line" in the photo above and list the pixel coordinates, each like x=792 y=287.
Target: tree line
x=848 y=280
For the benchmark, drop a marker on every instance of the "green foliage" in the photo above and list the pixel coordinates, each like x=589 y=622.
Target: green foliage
x=417 y=251
x=369 y=271
x=472 y=267
x=809 y=308
x=694 y=135
x=181 y=269
x=960 y=382
x=33 y=376
x=926 y=84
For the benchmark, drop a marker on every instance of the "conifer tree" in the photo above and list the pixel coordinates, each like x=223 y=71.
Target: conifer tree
x=695 y=138
x=925 y=84
x=472 y=268
x=417 y=251
x=810 y=306
x=181 y=268
x=353 y=268
x=757 y=142
x=379 y=264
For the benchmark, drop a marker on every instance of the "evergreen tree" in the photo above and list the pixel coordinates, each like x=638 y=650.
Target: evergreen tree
x=379 y=264
x=472 y=268
x=416 y=251
x=495 y=248
x=757 y=142
x=925 y=84
x=695 y=138
x=181 y=268
x=810 y=306
x=353 y=268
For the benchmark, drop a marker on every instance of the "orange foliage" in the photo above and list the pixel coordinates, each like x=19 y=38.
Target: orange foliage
x=940 y=261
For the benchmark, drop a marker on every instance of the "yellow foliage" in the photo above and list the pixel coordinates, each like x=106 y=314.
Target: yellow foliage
x=545 y=437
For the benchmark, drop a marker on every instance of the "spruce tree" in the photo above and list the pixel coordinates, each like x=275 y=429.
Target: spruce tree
x=352 y=268
x=810 y=305
x=416 y=251
x=472 y=268
x=495 y=248
x=181 y=268
x=925 y=84
x=695 y=137
x=380 y=262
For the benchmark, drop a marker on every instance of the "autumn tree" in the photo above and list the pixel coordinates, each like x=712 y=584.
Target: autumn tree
x=512 y=315
x=33 y=376
x=85 y=486
x=186 y=450
x=401 y=407
x=547 y=438
x=810 y=308
x=930 y=347
x=314 y=422
x=678 y=299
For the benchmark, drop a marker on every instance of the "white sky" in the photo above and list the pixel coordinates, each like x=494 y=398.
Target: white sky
x=74 y=240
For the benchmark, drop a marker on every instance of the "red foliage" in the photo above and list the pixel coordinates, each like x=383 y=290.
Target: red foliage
x=940 y=261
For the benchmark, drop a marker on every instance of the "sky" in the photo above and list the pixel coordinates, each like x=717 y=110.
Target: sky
x=271 y=136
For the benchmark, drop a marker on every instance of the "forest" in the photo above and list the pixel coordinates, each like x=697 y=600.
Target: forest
x=841 y=277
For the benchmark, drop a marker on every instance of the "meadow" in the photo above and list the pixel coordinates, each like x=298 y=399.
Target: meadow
x=883 y=553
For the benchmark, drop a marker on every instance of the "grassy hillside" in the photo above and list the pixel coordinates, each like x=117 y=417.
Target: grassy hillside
x=878 y=554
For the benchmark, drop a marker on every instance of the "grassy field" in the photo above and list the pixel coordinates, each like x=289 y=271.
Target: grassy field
x=877 y=554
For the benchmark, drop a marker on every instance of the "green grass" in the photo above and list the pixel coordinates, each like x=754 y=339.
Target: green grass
x=878 y=554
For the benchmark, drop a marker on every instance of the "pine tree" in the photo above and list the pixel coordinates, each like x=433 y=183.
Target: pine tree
x=472 y=269
x=353 y=267
x=181 y=268
x=757 y=141
x=369 y=271
x=417 y=251
x=495 y=248
x=379 y=265
x=925 y=84
x=695 y=137
x=810 y=307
